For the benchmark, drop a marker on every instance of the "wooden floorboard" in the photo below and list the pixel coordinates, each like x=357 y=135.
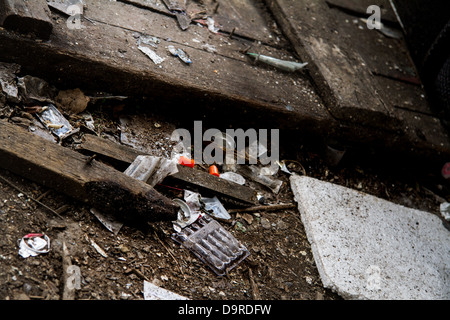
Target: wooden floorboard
x=346 y=93
x=244 y=18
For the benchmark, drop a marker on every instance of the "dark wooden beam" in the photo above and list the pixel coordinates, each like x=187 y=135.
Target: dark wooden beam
x=70 y=172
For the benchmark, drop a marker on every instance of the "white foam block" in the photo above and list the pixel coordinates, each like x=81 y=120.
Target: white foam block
x=368 y=248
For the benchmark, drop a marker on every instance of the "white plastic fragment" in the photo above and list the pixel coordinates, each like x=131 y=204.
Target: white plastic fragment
x=185 y=216
x=270 y=170
x=209 y=48
x=212 y=25
x=192 y=199
x=149 y=40
x=215 y=207
x=149 y=169
x=55 y=122
x=256 y=150
x=261 y=176
x=153 y=292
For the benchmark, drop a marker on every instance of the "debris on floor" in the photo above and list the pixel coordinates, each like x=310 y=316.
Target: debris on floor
x=71 y=275
x=27 y=17
x=214 y=207
x=364 y=251
x=212 y=25
x=257 y=174
x=446 y=170
x=233 y=176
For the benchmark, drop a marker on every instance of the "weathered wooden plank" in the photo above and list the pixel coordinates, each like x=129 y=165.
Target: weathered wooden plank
x=187 y=176
x=225 y=84
x=67 y=171
x=26 y=16
x=340 y=73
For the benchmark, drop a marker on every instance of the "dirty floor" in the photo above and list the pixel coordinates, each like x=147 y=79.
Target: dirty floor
x=280 y=267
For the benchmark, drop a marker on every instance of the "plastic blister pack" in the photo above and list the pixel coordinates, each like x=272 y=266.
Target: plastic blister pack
x=212 y=244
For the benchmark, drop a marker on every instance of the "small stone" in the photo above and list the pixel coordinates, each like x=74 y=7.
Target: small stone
x=265 y=223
